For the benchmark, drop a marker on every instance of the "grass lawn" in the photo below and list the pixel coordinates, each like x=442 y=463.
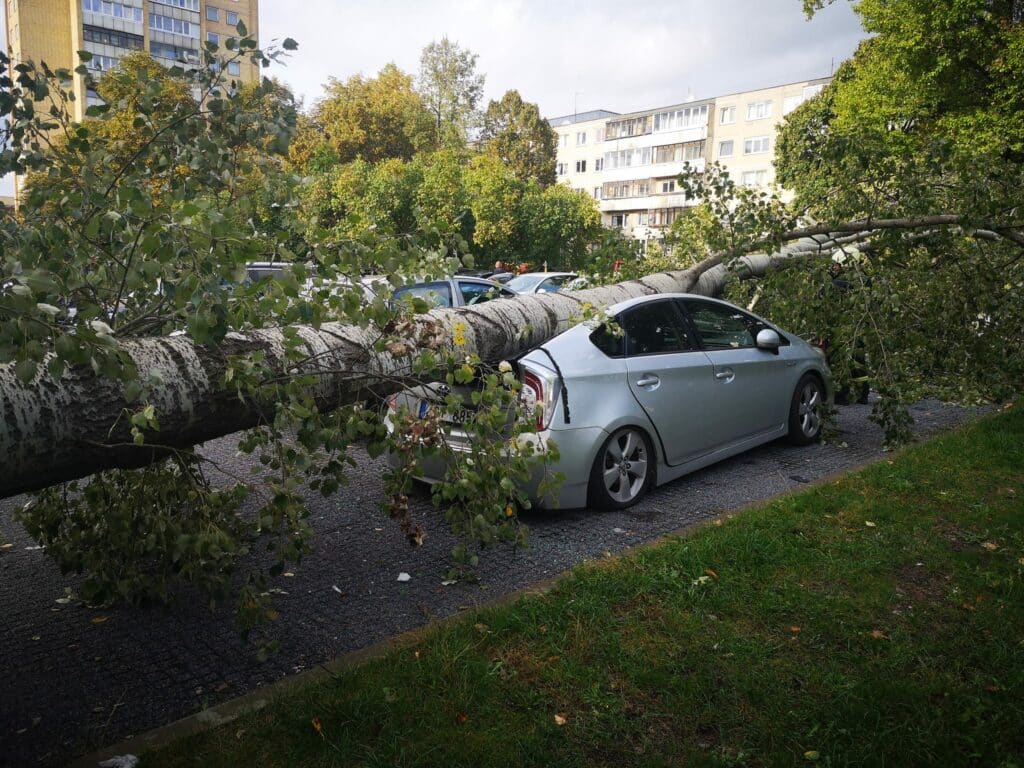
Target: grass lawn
x=877 y=620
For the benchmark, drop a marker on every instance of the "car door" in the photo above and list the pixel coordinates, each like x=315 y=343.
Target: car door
x=476 y=291
x=671 y=378
x=752 y=389
x=436 y=294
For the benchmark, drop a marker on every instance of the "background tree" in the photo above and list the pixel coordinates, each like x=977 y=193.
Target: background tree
x=560 y=224
x=451 y=89
x=373 y=119
x=514 y=131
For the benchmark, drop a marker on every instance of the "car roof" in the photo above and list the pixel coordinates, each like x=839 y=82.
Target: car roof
x=623 y=305
x=546 y=274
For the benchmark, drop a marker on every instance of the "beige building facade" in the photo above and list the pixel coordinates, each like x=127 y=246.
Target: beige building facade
x=172 y=31
x=630 y=163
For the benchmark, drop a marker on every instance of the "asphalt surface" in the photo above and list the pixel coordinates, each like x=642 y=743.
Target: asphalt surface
x=71 y=685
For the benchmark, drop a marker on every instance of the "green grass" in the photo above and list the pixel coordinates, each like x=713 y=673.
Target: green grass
x=877 y=620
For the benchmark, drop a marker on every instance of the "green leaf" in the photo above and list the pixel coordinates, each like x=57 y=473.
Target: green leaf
x=25 y=370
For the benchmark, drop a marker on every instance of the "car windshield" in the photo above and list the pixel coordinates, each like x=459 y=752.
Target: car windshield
x=524 y=282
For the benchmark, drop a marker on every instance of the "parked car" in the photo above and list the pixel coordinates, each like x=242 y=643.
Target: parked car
x=458 y=291
x=541 y=282
x=688 y=382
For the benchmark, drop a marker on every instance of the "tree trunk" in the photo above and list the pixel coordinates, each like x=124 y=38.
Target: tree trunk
x=54 y=431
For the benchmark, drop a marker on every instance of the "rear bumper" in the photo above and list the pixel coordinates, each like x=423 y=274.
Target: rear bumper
x=576 y=451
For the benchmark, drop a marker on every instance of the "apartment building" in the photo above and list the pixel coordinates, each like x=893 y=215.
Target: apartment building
x=630 y=163
x=747 y=124
x=173 y=31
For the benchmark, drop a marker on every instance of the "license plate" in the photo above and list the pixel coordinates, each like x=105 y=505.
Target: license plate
x=460 y=416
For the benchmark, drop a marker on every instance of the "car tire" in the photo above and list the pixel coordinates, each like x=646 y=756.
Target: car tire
x=806 y=410
x=623 y=470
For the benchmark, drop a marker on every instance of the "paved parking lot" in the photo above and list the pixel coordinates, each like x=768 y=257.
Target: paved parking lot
x=71 y=685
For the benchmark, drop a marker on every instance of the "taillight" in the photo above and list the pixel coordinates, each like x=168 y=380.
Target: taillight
x=533 y=395
x=540 y=388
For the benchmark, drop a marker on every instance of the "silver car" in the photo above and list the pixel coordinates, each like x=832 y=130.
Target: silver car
x=541 y=282
x=689 y=381
x=456 y=291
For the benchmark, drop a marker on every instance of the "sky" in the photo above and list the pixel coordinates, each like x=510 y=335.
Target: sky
x=567 y=56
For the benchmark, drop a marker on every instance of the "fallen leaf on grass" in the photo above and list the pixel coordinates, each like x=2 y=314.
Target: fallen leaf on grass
x=462 y=718
x=561 y=719
x=794 y=629
x=870 y=524
x=711 y=573
x=878 y=634
x=6 y=546
x=813 y=754
x=318 y=726
x=991 y=546
x=100 y=619
x=289 y=574
x=552 y=659
x=480 y=627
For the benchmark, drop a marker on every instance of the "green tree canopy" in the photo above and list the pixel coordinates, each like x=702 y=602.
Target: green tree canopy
x=514 y=131
x=374 y=119
x=452 y=89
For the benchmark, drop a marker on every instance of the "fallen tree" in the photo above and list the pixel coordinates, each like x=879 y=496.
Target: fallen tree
x=54 y=430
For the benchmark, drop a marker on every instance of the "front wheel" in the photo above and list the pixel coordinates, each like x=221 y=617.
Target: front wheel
x=622 y=471
x=806 y=411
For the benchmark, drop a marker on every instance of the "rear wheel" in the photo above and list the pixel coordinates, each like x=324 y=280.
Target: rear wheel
x=806 y=411
x=622 y=471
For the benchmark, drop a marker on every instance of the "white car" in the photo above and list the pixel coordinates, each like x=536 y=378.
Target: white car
x=541 y=282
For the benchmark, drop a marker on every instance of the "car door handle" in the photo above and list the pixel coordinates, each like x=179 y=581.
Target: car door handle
x=726 y=375
x=648 y=380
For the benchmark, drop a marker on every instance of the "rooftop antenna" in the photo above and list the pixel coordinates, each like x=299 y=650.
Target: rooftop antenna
x=689 y=94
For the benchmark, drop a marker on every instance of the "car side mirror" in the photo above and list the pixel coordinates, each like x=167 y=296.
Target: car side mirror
x=769 y=341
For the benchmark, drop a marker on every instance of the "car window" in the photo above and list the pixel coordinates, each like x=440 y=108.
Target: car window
x=523 y=283
x=655 y=329
x=474 y=293
x=553 y=284
x=723 y=327
x=436 y=294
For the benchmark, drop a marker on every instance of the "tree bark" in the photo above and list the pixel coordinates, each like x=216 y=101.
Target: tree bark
x=55 y=431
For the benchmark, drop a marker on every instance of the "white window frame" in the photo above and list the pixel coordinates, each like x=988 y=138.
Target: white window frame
x=759 y=110
x=727 y=115
x=721 y=148
x=581 y=138
x=757 y=145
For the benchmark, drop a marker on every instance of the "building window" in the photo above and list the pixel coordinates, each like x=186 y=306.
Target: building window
x=581 y=166
x=117 y=10
x=560 y=168
x=677 y=153
x=234 y=68
x=173 y=52
x=668 y=186
x=599 y=164
x=597 y=193
x=213 y=37
x=581 y=138
x=759 y=110
x=725 y=148
x=212 y=14
x=177 y=26
x=565 y=139
x=619 y=220
x=689 y=117
x=191 y=5
x=754 y=178
x=599 y=134
x=627 y=158
x=756 y=145
x=635 y=126
x=112 y=37
x=232 y=18
x=727 y=116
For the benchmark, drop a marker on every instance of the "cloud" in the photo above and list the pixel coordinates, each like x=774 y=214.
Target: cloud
x=574 y=54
